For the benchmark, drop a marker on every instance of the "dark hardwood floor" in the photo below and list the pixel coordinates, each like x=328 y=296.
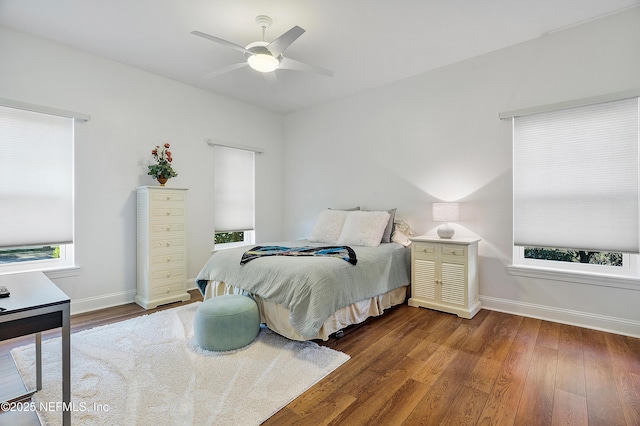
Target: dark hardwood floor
x=417 y=366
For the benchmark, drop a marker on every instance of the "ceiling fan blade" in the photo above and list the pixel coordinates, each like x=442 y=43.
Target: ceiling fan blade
x=221 y=41
x=277 y=46
x=292 y=64
x=224 y=70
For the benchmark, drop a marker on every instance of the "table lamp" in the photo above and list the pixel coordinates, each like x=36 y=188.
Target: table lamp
x=445 y=212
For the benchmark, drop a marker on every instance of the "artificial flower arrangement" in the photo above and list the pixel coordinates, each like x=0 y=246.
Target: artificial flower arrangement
x=162 y=170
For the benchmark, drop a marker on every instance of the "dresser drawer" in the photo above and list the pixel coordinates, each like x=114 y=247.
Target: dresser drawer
x=166 y=263
x=166 y=213
x=157 y=243
x=159 y=228
x=167 y=259
x=168 y=290
x=167 y=274
x=167 y=196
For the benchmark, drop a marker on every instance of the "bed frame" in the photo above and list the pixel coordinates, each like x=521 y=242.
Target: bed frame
x=276 y=316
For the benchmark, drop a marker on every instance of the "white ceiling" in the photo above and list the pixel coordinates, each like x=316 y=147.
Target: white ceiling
x=367 y=43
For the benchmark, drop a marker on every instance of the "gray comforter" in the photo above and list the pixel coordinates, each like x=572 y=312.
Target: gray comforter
x=312 y=288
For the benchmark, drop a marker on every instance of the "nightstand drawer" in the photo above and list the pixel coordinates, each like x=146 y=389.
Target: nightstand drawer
x=423 y=251
x=453 y=251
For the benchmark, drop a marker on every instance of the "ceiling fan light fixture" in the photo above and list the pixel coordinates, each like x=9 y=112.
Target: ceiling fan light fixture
x=263 y=62
x=264 y=56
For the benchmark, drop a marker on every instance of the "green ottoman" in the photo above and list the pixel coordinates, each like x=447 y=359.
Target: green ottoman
x=224 y=323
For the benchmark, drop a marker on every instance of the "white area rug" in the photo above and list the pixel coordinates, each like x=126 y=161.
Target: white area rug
x=149 y=371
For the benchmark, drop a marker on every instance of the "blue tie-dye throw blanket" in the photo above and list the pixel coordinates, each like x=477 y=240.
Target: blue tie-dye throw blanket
x=342 y=252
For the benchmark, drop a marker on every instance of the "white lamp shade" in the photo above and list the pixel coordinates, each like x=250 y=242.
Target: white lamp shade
x=445 y=212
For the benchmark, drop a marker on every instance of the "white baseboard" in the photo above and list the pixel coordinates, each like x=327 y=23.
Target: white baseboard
x=609 y=324
x=79 y=306
x=192 y=284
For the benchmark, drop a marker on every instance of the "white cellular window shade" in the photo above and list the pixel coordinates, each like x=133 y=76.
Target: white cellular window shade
x=575 y=178
x=36 y=178
x=234 y=189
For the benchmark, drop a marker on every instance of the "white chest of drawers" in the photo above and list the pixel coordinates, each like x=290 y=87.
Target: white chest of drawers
x=444 y=275
x=162 y=246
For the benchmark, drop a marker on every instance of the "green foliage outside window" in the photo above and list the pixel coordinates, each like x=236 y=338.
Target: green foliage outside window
x=229 y=237
x=577 y=256
x=26 y=254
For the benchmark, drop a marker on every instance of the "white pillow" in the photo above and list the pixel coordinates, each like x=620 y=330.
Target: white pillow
x=362 y=228
x=328 y=226
x=402 y=232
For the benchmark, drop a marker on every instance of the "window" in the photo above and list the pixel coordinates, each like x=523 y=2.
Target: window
x=28 y=254
x=234 y=196
x=575 y=188
x=229 y=237
x=604 y=268
x=36 y=214
x=574 y=256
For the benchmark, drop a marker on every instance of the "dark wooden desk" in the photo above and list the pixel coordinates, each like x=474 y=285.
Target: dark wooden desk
x=37 y=305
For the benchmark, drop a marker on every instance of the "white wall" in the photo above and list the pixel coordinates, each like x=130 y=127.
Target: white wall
x=132 y=111
x=436 y=136
x=432 y=137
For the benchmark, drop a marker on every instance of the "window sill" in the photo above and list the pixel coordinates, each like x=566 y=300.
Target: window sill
x=53 y=273
x=602 y=280
x=227 y=246
x=70 y=271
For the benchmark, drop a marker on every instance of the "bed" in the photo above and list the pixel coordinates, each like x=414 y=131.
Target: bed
x=350 y=268
x=312 y=297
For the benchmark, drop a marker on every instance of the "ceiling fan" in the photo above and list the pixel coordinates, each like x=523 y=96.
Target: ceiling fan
x=264 y=56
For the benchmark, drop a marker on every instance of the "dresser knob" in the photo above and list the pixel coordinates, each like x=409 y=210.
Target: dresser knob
x=168 y=243
x=168 y=274
x=168 y=259
x=168 y=198
x=168 y=229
